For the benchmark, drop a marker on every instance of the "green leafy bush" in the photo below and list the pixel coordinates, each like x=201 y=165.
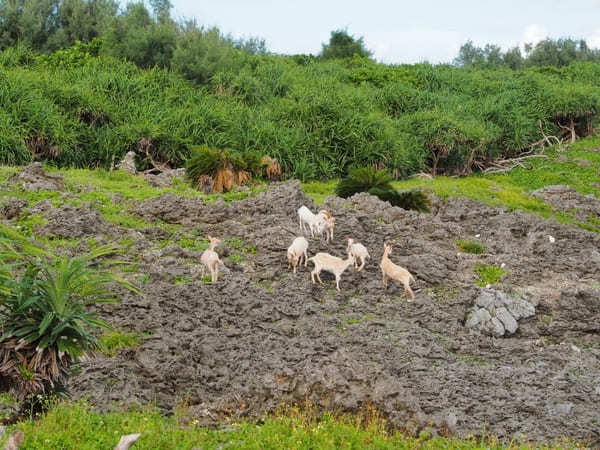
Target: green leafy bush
x=378 y=183
x=364 y=179
x=45 y=317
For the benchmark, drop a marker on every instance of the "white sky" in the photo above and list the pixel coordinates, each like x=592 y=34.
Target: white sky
x=399 y=31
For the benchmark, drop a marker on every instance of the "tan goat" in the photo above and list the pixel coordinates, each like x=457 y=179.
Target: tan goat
x=331 y=264
x=391 y=270
x=211 y=260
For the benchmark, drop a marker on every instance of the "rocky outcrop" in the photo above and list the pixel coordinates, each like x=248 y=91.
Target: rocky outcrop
x=128 y=163
x=567 y=199
x=11 y=207
x=262 y=335
x=496 y=313
x=165 y=178
x=34 y=178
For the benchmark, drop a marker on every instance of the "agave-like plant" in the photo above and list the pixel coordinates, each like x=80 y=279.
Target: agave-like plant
x=44 y=311
x=378 y=183
x=362 y=180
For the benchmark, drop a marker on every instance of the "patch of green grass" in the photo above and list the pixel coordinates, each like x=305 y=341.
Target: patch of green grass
x=237 y=258
x=473 y=247
x=319 y=190
x=29 y=222
x=489 y=274
x=236 y=243
x=75 y=425
x=190 y=243
x=206 y=279
x=267 y=285
x=240 y=245
x=512 y=190
x=144 y=278
x=353 y=320
x=442 y=294
x=111 y=341
x=182 y=279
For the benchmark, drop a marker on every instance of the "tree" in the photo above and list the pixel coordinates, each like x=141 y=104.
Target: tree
x=162 y=10
x=468 y=55
x=513 y=58
x=48 y=25
x=343 y=45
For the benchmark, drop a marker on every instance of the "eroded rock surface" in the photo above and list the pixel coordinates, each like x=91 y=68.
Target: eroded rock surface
x=34 y=178
x=496 y=313
x=262 y=335
x=567 y=199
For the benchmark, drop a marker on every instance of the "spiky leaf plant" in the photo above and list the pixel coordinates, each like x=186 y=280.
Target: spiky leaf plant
x=362 y=180
x=44 y=311
x=378 y=183
x=414 y=199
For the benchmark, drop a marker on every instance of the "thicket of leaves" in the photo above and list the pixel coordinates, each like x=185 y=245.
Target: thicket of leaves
x=78 y=107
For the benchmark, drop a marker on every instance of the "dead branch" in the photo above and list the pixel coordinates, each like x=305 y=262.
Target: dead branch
x=506 y=165
x=145 y=145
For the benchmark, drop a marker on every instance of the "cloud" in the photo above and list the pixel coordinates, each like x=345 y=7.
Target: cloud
x=534 y=33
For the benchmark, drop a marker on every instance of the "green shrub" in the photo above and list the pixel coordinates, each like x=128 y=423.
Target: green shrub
x=362 y=180
x=471 y=247
x=45 y=318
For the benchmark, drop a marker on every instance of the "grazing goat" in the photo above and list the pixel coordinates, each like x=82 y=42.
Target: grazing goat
x=316 y=222
x=325 y=221
x=306 y=218
x=331 y=264
x=211 y=260
x=391 y=270
x=357 y=251
x=296 y=251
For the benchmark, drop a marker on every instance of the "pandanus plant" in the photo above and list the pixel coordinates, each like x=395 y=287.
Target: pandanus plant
x=45 y=315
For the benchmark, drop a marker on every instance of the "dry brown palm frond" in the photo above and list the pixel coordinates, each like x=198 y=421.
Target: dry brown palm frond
x=242 y=177
x=224 y=180
x=205 y=184
x=28 y=370
x=273 y=168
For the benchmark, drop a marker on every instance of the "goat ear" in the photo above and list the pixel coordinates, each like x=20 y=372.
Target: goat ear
x=209 y=237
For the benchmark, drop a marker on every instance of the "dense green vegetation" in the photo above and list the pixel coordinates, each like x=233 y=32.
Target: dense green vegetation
x=77 y=426
x=317 y=119
x=83 y=81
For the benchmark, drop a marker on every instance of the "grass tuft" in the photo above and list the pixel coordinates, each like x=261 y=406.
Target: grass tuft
x=471 y=247
x=488 y=274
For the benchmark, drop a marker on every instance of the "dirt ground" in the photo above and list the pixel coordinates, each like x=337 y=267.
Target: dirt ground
x=262 y=335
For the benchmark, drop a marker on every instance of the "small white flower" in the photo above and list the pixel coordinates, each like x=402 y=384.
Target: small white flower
x=503 y=265
x=477 y=235
x=551 y=239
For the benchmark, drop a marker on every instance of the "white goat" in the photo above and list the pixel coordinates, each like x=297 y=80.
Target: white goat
x=325 y=221
x=211 y=260
x=306 y=218
x=358 y=251
x=331 y=264
x=391 y=270
x=316 y=222
x=296 y=251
